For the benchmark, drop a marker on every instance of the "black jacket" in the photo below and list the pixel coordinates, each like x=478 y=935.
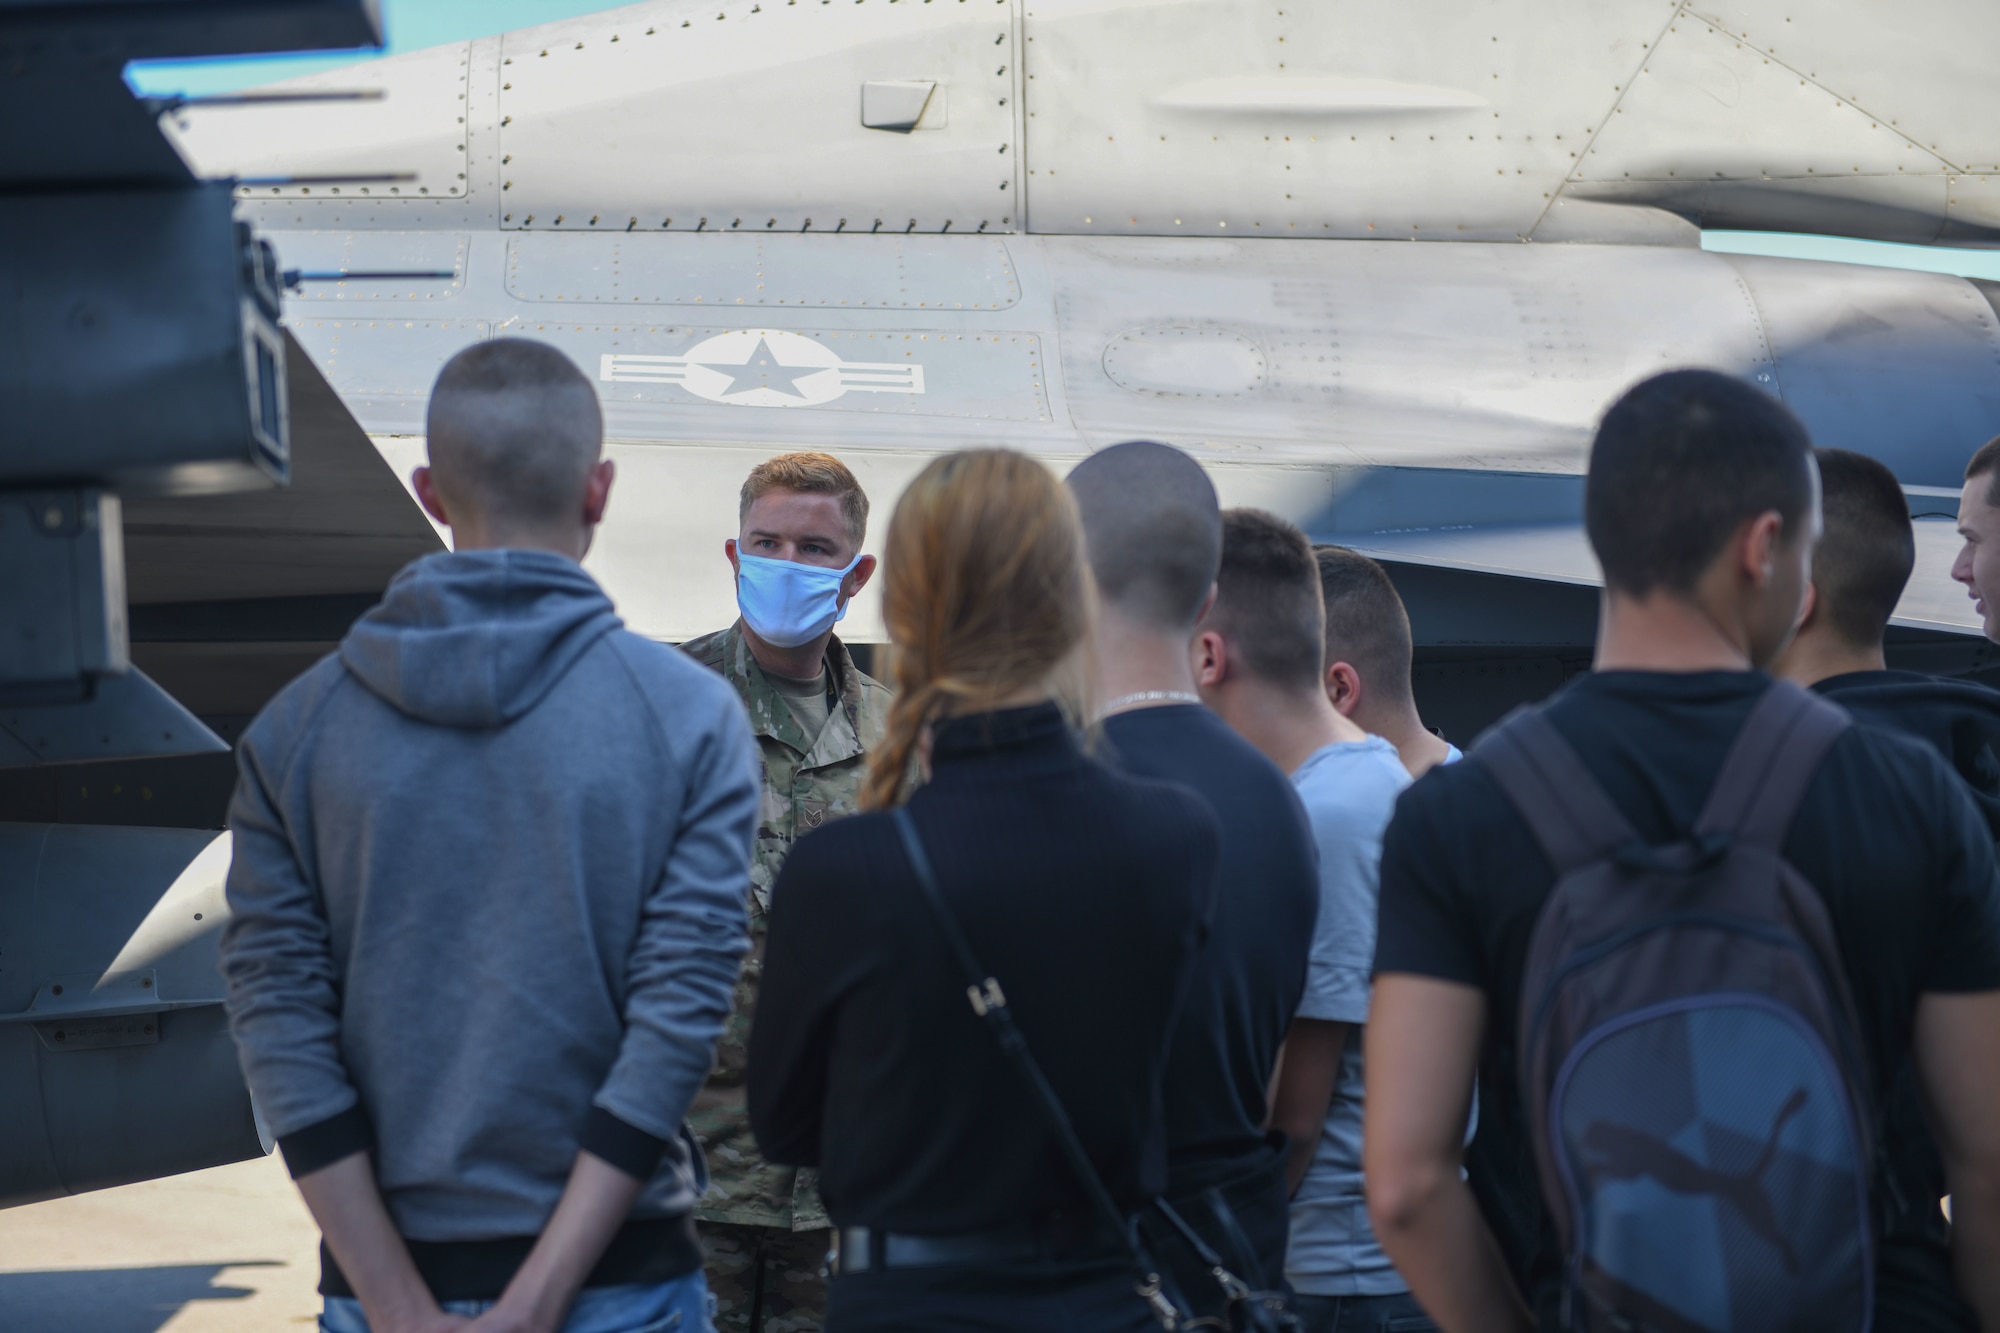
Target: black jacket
x=1082 y=890
x=1960 y=719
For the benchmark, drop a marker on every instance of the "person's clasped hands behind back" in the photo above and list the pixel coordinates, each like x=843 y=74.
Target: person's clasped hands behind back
x=490 y=862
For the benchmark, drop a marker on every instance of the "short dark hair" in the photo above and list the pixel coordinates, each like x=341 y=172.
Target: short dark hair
x=1867 y=549
x=1154 y=530
x=1269 y=605
x=1986 y=462
x=1366 y=625
x=1680 y=462
x=513 y=430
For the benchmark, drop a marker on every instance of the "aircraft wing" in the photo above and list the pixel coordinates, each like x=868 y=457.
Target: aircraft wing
x=1544 y=548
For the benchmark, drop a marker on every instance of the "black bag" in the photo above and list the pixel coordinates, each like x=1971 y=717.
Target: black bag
x=1689 y=1054
x=1249 y=1311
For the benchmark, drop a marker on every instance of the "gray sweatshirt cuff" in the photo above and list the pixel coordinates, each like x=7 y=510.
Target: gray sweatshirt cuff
x=328 y=1141
x=627 y=1147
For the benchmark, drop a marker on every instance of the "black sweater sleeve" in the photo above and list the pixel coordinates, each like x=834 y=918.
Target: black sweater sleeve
x=812 y=935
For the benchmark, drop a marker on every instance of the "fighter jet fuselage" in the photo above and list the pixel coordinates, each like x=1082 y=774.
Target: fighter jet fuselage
x=1379 y=267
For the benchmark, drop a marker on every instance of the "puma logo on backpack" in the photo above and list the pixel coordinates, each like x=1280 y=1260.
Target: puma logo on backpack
x=1689 y=1056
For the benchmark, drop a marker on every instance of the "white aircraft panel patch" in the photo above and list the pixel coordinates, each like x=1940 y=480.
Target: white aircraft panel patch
x=763 y=368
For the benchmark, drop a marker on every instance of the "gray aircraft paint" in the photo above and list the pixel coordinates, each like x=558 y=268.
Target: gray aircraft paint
x=1093 y=226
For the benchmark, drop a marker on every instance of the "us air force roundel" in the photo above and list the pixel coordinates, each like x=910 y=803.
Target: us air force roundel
x=763 y=368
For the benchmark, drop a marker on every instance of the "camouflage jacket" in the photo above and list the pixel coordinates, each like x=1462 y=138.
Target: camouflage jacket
x=804 y=786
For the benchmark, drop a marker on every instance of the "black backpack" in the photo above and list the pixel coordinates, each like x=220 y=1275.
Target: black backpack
x=1689 y=1056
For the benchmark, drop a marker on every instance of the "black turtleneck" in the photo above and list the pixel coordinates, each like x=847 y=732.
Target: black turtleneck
x=1083 y=891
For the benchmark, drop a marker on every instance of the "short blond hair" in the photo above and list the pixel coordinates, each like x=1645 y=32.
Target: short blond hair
x=811 y=474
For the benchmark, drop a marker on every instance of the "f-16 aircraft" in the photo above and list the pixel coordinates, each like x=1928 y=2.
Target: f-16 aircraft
x=1378 y=268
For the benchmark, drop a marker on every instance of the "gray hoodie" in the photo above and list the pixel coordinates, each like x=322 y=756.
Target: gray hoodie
x=490 y=867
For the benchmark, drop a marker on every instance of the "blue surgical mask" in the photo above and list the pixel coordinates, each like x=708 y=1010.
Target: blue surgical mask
x=788 y=603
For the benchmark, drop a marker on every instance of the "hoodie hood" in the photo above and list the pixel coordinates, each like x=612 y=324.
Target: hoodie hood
x=1959 y=718
x=476 y=639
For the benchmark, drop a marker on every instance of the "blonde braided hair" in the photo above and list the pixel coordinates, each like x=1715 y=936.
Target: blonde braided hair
x=985 y=593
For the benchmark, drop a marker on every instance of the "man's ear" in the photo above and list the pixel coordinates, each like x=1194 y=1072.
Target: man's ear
x=1343 y=688
x=1757 y=547
x=1210 y=655
x=729 y=550
x=425 y=485
x=857 y=578
x=597 y=492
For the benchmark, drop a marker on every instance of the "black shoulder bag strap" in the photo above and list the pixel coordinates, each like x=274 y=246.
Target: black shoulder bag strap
x=1770 y=765
x=1547 y=783
x=990 y=1003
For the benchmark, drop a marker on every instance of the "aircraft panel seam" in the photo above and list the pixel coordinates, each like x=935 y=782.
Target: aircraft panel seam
x=1018 y=27
x=1763 y=329
x=483 y=125
x=1645 y=53
x=1811 y=78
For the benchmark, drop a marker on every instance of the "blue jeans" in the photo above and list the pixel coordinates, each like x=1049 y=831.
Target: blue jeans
x=1361 y=1314
x=680 y=1306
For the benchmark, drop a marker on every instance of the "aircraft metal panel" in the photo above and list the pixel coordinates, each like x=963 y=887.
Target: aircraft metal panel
x=417 y=256
x=1924 y=66
x=1905 y=208
x=1972 y=209
x=1500 y=357
x=1332 y=119
x=127 y=716
x=1901 y=365
x=677 y=115
x=383 y=368
x=1720 y=130
x=408 y=143
x=814 y=271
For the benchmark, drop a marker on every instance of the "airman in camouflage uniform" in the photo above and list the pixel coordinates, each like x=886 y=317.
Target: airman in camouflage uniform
x=766 y=1233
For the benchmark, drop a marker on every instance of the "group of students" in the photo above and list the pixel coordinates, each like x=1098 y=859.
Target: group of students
x=1112 y=972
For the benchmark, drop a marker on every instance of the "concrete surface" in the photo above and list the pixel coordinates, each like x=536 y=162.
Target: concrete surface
x=231 y=1250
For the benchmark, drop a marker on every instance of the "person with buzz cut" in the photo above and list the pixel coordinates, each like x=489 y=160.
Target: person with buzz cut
x=797 y=563
x=1154 y=536
x=1859 y=570
x=1257 y=662
x=486 y=904
x=1368 y=658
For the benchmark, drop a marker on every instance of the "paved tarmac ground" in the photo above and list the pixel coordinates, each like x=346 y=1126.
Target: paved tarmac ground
x=230 y=1250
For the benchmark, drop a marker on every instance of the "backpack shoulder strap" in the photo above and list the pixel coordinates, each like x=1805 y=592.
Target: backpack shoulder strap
x=1770 y=765
x=1564 y=806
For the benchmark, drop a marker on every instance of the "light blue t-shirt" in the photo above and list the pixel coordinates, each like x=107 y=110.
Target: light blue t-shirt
x=1349 y=792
